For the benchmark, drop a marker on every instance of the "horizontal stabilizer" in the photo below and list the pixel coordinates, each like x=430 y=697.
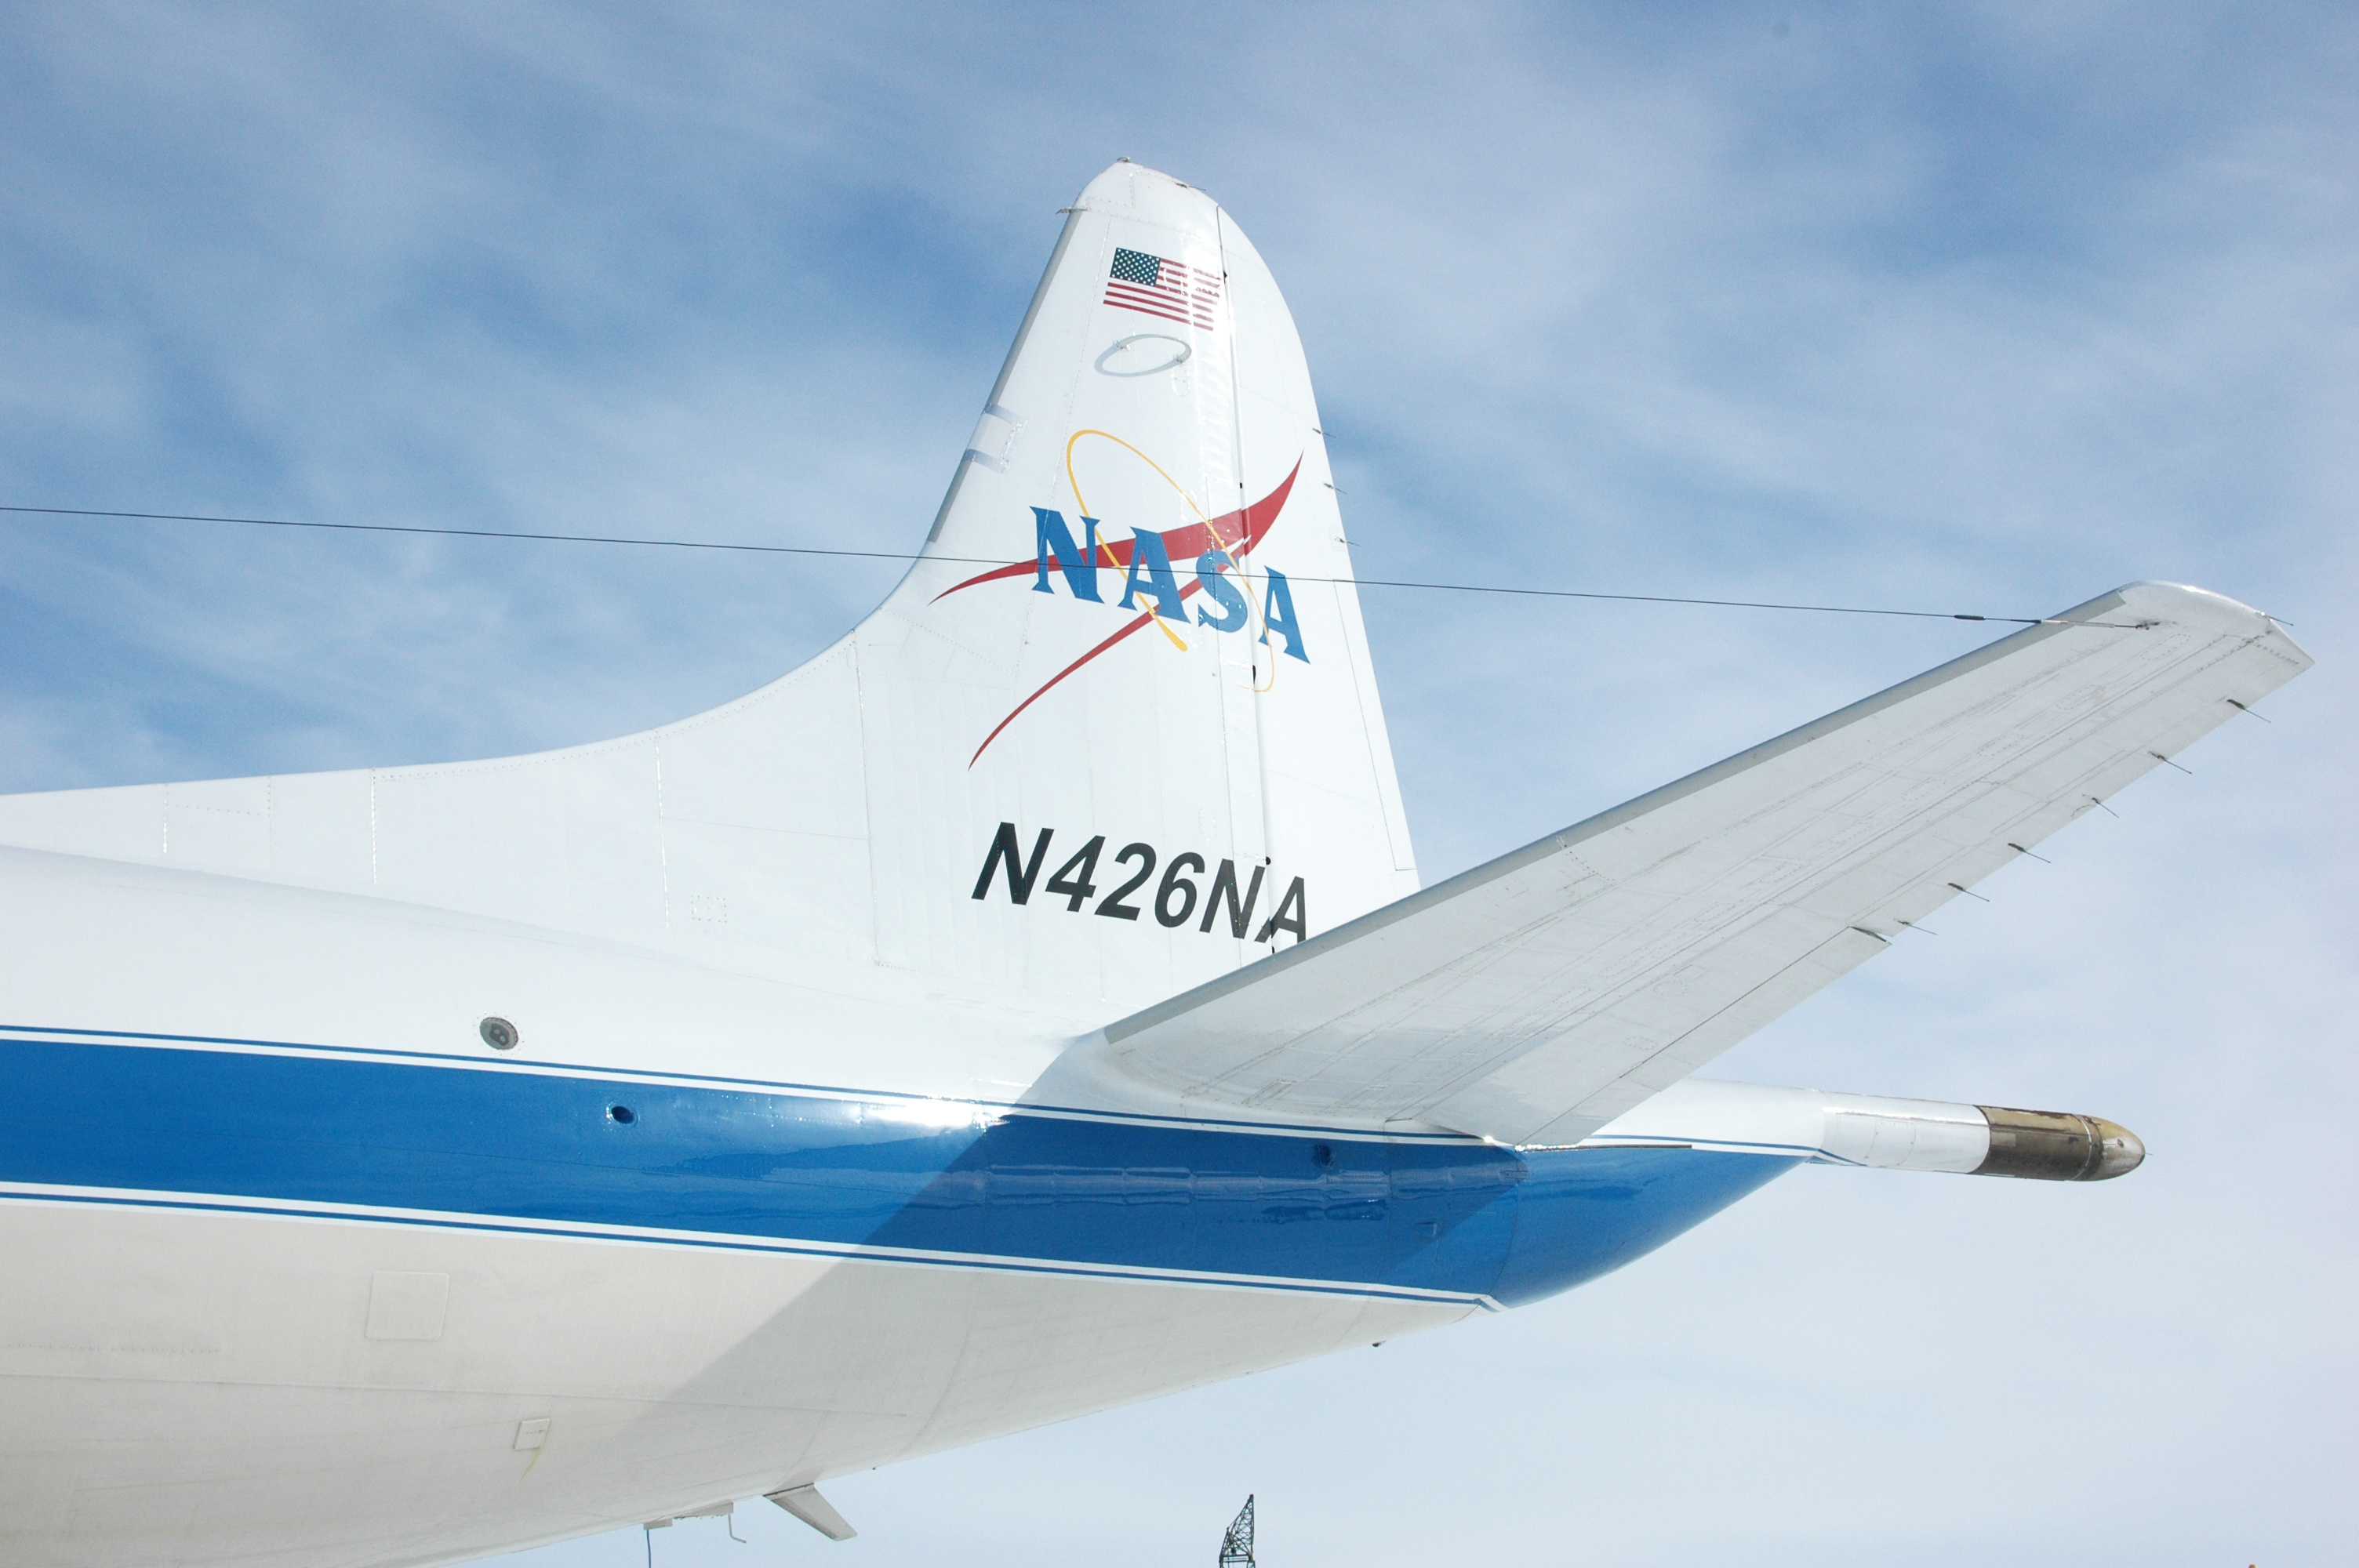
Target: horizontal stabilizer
x=1536 y=999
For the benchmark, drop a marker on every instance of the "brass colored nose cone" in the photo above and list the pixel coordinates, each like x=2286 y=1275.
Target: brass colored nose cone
x=2119 y=1151
x=2057 y=1146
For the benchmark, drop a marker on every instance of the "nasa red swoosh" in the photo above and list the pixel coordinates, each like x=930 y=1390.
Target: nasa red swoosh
x=1251 y=525
x=1181 y=544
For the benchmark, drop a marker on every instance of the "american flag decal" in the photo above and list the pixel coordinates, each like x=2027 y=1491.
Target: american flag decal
x=1153 y=287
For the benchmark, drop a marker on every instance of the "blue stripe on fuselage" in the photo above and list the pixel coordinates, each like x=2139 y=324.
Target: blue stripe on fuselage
x=1460 y=1219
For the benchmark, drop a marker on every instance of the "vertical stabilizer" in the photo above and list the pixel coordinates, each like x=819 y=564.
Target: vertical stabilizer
x=1135 y=622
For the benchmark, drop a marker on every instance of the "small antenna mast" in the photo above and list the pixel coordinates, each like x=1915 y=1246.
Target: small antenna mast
x=1236 y=1547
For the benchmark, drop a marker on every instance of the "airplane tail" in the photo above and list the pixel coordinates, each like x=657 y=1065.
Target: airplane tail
x=1117 y=733
x=1133 y=655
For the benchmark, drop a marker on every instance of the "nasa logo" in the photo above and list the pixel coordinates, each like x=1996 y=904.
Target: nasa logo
x=1145 y=559
x=1151 y=588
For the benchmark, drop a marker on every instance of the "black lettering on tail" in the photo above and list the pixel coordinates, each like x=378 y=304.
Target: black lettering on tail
x=1224 y=885
x=1290 y=915
x=1020 y=877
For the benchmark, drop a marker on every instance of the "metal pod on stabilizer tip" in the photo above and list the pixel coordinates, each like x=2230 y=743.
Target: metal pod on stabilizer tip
x=2056 y=1146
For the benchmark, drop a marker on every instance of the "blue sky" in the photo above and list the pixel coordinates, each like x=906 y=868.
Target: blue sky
x=1983 y=308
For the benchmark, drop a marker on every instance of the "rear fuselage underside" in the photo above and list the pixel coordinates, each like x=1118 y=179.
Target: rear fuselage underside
x=738 y=1287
